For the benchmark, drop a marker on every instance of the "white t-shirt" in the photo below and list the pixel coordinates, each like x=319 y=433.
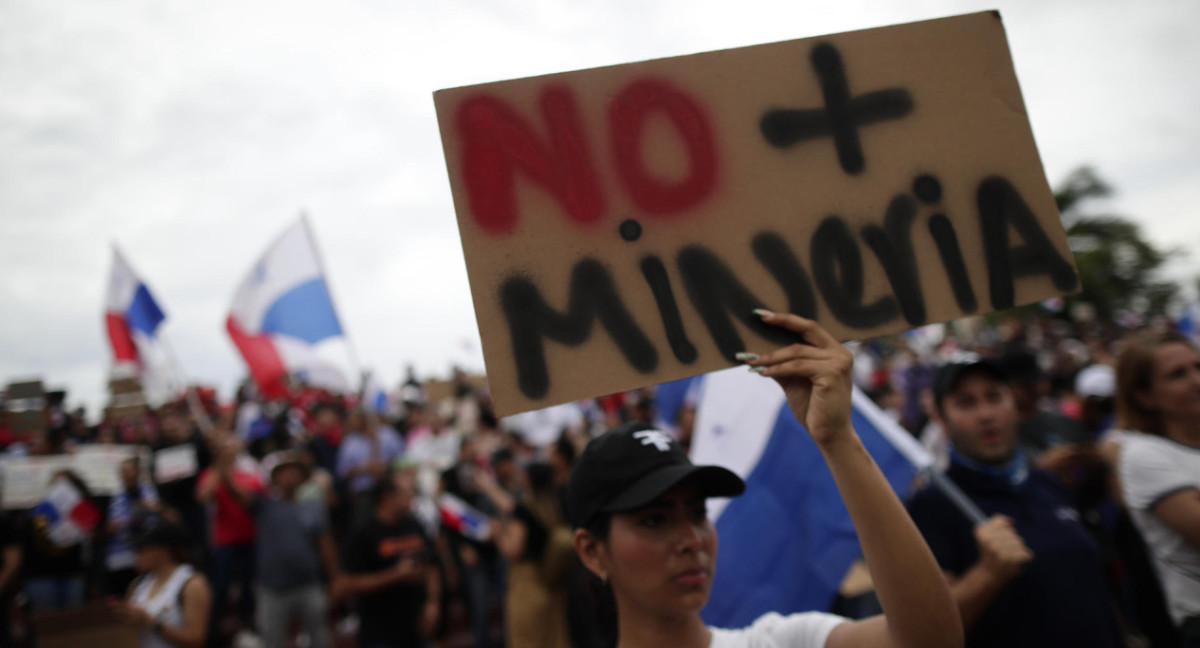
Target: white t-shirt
x=771 y=630
x=1152 y=469
x=164 y=606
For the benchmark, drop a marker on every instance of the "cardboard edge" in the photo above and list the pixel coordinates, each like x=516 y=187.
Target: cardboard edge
x=551 y=75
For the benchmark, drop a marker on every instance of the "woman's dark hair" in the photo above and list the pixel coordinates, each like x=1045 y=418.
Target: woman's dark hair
x=600 y=526
x=598 y=593
x=172 y=537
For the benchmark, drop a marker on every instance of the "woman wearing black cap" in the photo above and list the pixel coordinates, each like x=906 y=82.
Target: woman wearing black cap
x=170 y=601
x=637 y=504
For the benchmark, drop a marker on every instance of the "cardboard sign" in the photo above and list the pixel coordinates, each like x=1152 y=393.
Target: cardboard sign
x=100 y=465
x=621 y=223
x=23 y=480
x=126 y=400
x=176 y=462
x=25 y=406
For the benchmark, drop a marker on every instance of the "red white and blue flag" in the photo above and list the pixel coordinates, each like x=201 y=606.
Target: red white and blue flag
x=283 y=321
x=133 y=317
x=65 y=516
x=459 y=516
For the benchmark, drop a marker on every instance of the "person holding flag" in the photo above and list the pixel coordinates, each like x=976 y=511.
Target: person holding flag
x=133 y=320
x=1026 y=572
x=641 y=527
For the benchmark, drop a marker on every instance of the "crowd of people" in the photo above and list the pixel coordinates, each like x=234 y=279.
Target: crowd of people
x=317 y=521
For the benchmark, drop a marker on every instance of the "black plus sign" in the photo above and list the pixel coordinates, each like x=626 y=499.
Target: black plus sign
x=841 y=116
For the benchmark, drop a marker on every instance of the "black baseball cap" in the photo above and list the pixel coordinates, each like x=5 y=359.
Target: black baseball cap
x=163 y=534
x=631 y=465
x=948 y=375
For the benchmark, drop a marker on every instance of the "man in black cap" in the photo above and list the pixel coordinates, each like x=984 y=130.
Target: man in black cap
x=1030 y=575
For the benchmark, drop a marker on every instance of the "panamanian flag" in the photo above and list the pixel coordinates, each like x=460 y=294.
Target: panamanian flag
x=283 y=321
x=133 y=320
x=787 y=542
x=65 y=516
x=459 y=516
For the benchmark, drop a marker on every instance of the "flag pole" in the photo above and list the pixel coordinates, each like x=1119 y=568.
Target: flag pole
x=918 y=456
x=193 y=399
x=953 y=493
x=197 y=411
x=355 y=365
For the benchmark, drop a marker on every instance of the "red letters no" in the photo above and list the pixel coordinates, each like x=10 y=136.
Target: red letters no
x=627 y=117
x=497 y=141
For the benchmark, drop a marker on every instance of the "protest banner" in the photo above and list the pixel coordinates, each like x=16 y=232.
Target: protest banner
x=25 y=479
x=176 y=462
x=126 y=400
x=620 y=224
x=100 y=465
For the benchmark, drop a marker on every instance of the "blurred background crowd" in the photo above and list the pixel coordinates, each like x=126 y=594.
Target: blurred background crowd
x=295 y=510
x=412 y=515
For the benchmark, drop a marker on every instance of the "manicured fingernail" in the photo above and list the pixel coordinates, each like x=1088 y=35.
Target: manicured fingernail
x=762 y=312
x=758 y=370
x=746 y=357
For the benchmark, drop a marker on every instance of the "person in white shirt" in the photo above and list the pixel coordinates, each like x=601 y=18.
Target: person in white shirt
x=638 y=508
x=1158 y=394
x=170 y=601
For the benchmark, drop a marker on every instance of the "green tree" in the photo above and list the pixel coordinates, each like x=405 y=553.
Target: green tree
x=1118 y=267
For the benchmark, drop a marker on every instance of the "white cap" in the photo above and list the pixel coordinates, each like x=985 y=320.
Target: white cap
x=1097 y=380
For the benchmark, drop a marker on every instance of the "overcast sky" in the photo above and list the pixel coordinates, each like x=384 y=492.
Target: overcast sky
x=192 y=134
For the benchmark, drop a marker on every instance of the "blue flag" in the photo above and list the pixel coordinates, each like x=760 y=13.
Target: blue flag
x=786 y=544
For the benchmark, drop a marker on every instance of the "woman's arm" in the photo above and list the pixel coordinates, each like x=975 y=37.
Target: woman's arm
x=197 y=599
x=1181 y=512
x=919 y=611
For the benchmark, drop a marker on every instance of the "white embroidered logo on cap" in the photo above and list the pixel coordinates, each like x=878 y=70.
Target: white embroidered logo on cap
x=656 y=438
